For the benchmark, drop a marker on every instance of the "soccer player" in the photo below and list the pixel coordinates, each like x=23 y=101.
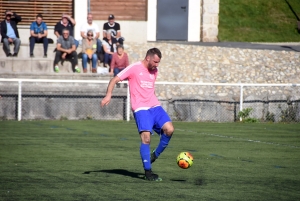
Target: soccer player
x=148 y=113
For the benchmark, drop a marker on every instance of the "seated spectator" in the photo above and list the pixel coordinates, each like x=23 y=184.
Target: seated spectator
x=9 y=33
x=119 y=61
x=89 y=25
x=38 y=34
x=89 y=46
x=66 y=49
x=109 y=47
x=114 y=28
x=66 y=22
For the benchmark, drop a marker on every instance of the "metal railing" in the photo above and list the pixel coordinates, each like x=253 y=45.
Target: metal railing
x=181 y=104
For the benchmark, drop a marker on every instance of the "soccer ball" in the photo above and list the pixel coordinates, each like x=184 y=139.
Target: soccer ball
x=185 y=160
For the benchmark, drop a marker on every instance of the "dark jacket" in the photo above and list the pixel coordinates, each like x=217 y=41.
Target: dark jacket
x=13 y=21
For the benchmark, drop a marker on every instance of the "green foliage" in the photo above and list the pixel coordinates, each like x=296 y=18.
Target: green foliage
x=289 y=114
x=258 y=21
x=270 y=117
x=63 y=118
x=100 y=160
x=245 y=113
x=89 y=117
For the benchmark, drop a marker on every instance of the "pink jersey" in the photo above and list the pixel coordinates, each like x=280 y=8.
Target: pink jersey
x=141 y=86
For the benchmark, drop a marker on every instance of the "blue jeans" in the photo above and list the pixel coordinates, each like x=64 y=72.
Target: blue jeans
x=99 y=46
x=76 y=43
x=85 y=60
x=34 y=40
x=117 y=70
x=107 y=58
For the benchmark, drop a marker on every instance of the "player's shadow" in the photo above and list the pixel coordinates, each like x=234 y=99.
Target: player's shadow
x=120 y=172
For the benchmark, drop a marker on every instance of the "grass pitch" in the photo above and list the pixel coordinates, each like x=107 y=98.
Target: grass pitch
x=99 y=160
x=259 y=20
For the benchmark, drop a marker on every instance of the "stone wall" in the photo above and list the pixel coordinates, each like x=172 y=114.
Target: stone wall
x=200 y=64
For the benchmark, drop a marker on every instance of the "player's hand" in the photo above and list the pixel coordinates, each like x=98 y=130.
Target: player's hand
x=10 y=40
x=105 y=101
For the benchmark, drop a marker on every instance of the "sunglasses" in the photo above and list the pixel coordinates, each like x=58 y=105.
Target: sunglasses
x=90 y=35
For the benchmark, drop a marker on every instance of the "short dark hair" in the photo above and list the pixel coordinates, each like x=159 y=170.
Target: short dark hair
x=7 y=11
x=154 y=51
x=120 y=46
x=65 y=29
x=39 y=15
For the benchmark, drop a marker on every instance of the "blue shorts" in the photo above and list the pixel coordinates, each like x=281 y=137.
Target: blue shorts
x=151 y=119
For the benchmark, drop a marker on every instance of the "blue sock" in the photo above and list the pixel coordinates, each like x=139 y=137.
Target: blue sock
x=163 y=143
x=145 y=155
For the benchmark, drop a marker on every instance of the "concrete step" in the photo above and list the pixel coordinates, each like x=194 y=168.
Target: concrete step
x=38 y=64
x=41 y=65
x=24 y=51
x=56 y=76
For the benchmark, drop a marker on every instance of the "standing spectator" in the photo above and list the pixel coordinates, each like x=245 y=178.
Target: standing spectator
x=38 y=34
x=9 y=33
x=109 y=47
x=66 y=49
x=89 y=46
x=89 y=25
x=114 y=28
x=66 y=22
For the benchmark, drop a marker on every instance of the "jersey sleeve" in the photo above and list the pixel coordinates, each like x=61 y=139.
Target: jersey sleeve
x=105 y=27
x=31 y=27
x=118 y=27
x=126 y=73
x=45 y=26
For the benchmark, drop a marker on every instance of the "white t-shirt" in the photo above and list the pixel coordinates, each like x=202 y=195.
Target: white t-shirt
x=86 y=27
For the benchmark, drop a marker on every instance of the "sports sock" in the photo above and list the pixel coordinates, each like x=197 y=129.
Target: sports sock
x=163 y=143
x=145 y=155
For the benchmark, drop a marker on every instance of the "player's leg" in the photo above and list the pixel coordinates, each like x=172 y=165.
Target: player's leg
x=144 y=124
x=163 y=126
x=145 y=149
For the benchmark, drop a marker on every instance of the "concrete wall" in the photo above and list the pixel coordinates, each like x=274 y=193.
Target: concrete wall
x=194 y=20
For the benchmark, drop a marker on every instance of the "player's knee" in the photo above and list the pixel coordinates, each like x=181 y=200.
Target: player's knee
x=145 y=137
x=168 y=129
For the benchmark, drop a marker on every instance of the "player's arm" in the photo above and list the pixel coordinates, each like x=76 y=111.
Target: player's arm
x=111 y=85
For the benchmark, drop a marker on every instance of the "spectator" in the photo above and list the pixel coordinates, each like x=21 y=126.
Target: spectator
x=89 y=46
x=109 y=47
x=119 y=61
x=9 y=33
x=114 y=28
x=66 y=22
x=89 y=25
x=38 y=34
x=66 y=49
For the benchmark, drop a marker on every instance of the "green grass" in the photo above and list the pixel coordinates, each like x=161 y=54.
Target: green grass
x=258 y=21
x=99 y=160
